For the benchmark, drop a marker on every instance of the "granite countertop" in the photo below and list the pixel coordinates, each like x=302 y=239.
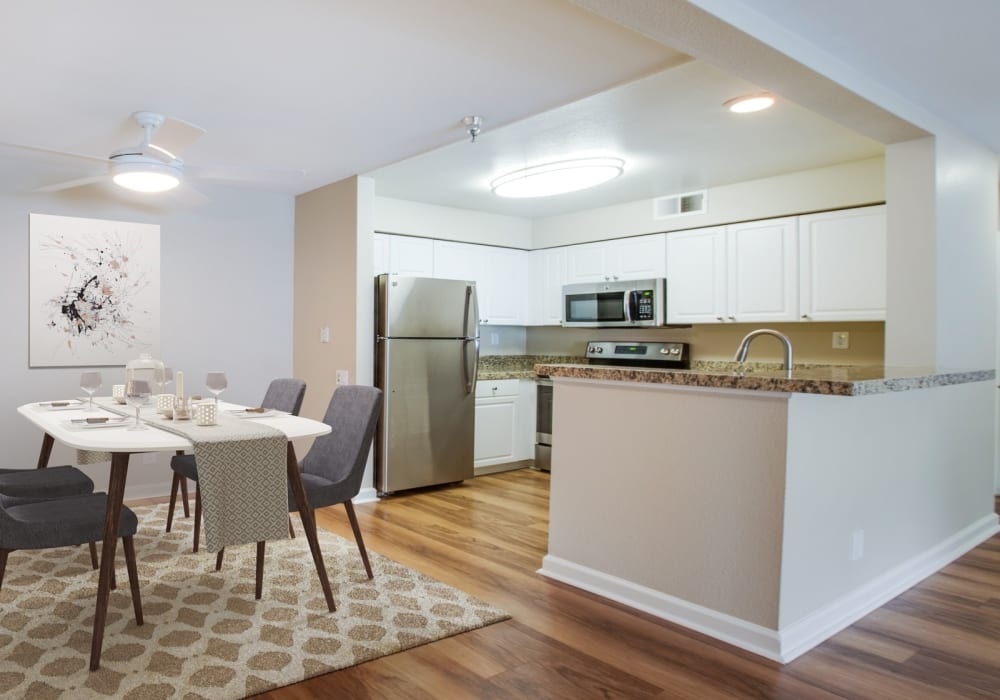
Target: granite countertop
x=517 y=366
x=840 y=380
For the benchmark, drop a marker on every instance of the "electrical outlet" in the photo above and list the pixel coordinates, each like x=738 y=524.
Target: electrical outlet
x=841 y=340
x=342 y=378
x=324 y=334
x=857 y=545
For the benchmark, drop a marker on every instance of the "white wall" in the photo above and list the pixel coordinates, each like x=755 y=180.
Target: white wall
x=448 y=223
x=226 y=303
x=833 y=187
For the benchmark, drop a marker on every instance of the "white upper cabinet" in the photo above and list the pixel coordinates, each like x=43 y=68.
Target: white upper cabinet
x=403 y=255
x=548 y=275
x=732 y=274
x=696 y=276
x=762 y=275
x=500 y=274
x=842 y=265
x=641 y=257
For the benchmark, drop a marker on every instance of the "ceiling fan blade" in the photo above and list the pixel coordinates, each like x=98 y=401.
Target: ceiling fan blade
x=69 y=184
x=49 y=152
x=175 y=135
x=189 y=196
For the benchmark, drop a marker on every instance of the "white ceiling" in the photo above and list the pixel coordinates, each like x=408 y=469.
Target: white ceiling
x=341 y=87
x=670 y=128
x=332 y=87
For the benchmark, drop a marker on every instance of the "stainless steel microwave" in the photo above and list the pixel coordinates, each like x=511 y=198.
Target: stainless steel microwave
x=631 y=304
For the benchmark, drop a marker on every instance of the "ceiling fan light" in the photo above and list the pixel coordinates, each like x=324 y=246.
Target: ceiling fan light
x=143 y=175
x=558 y=177
x=750 y=103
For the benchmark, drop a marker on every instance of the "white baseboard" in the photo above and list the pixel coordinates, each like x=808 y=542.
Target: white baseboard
x=795 y=639
x=807 y=632
x=746 y=635
x=366 y=495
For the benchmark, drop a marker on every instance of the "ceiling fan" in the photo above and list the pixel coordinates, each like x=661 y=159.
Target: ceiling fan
x=154 y=165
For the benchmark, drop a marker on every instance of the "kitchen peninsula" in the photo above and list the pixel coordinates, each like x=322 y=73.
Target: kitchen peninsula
x=767 y=511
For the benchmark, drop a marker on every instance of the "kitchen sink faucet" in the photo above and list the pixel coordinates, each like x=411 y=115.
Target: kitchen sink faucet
x=741 y=352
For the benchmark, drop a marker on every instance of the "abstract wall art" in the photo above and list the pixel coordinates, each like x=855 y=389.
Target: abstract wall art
x=94 y=291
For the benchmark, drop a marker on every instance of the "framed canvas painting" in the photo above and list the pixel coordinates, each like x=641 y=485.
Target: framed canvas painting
x=94 y=291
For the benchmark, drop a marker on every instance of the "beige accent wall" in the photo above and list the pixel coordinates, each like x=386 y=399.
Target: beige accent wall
x=811 y=342
x=833 y=187
x=660 y=500
x=326 y=235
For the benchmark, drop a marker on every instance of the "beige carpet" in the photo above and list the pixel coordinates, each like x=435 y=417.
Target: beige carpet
x=204 y=634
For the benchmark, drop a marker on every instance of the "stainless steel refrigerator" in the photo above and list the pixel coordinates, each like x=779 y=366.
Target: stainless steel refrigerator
x=426 y=355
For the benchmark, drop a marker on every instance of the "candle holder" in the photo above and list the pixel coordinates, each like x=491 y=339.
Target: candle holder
x=118 y=393
x=204 y=414
x=182 y=408
x=164 y=403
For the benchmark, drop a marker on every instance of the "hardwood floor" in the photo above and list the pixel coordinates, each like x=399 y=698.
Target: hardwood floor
x=940 y=639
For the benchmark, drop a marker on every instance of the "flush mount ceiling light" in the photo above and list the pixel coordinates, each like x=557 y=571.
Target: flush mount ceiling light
x=750 y=103
x=558 y=177
x=144 y=174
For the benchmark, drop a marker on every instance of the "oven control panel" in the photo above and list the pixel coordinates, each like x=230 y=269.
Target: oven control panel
x=665 y=355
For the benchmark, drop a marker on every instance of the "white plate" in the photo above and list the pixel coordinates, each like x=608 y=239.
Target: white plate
x=111 y=422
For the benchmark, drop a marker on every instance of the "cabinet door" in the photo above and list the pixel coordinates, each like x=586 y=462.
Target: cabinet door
x=380 y=254
x=548 y=275
x=638 y=258
x=842 y=265
x=762 y=275
x=411 y=257
x=586 y=263
x=502 y=294
x=457 y=261
x=696 y=275
x=496 y=422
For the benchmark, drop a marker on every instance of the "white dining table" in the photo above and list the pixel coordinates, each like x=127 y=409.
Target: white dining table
x=56 y=423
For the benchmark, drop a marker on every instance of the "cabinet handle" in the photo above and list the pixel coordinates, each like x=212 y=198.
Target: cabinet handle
x=718 y=318
x=615 y=276
x=805 y=315
x=732 y=318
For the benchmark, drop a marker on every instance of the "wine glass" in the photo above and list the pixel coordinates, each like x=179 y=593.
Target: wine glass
x=168 y=378
x=216 y=383
x=137 y=392
x=90 y=382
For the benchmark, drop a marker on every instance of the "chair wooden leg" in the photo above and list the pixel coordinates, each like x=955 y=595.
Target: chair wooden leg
x=291 y=530
x=93 y=555
x=260 y=570
x=174 y=486
x=184 y=495
x=3 y=564
x=133 y=577
x=357 y=536
x=197 y=518
x=218 y=559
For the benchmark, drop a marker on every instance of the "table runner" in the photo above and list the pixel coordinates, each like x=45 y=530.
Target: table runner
x=242 y=476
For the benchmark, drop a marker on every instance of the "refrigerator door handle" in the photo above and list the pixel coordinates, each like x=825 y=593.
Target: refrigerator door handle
x=472 y=301
x=470 y=377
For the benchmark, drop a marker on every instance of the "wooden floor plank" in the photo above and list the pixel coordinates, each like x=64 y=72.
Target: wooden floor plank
x=487 y=536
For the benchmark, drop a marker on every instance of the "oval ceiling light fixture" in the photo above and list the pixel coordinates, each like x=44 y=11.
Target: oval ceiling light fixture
x=143 y=174
x=557 y=178
x=750 y=103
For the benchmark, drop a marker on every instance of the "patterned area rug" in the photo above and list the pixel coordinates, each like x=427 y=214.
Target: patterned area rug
x=204 y=634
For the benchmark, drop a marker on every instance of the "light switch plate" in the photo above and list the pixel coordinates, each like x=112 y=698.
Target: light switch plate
x=342 y=377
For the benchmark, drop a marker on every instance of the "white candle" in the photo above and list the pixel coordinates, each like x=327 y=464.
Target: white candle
x=179 y=379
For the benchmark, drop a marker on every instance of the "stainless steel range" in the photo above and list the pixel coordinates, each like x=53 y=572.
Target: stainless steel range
x=640 y=354
x=601 y=352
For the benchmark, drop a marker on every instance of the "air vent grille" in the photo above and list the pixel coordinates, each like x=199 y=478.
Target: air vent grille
x=680 y=204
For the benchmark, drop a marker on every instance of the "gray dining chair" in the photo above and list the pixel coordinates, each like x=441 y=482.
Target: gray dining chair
x=333 y=468
x=25 y=485
x=281 y=395
x=64 y=522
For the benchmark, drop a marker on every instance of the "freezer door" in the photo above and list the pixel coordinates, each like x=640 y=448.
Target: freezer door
x=421 y=307
x=427 y=432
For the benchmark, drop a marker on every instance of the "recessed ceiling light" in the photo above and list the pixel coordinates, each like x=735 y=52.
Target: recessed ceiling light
x=558 y=177
x=749 y=103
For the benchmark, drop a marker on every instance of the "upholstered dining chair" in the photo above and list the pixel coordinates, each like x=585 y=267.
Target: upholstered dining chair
x=26 y=485
x=64 y=522
x=335 y=464
x=281 y=395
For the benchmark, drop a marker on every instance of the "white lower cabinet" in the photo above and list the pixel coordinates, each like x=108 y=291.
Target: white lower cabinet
x=505 y=420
